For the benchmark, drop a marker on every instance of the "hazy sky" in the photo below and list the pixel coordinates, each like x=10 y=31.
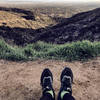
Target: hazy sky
x=53 y=0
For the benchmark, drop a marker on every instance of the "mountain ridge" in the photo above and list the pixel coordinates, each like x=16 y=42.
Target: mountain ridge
x=81 y=26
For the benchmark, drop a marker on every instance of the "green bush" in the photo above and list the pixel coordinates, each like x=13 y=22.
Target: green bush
x=11 y=53
x=81 y=50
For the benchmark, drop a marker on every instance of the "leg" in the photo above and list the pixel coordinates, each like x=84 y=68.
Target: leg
x=46 y=83
x=68 y=97
x=66 y=79
x=46 y=97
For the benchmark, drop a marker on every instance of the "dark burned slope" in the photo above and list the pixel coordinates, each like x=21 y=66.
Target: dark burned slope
x=82 y=26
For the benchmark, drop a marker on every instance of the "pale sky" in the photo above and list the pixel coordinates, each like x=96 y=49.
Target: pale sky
x=54 y=0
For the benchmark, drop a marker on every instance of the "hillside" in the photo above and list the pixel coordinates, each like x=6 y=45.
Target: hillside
x=15 y=23
x=82 y=26
x=20 y=27
x=16 y=17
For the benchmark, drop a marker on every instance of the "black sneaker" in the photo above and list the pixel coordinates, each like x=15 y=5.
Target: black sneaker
x=66 y=79
x=47 y=81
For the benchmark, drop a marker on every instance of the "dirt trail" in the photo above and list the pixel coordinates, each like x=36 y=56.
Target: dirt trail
x=21 y=81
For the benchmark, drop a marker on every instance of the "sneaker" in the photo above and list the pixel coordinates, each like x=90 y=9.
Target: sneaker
x=47 y=81
x=66 y=79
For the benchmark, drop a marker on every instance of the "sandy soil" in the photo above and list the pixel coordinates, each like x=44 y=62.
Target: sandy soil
x=21 y=80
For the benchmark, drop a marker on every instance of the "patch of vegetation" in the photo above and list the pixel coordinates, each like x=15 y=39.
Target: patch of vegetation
x=11 y=53
x=70 y=51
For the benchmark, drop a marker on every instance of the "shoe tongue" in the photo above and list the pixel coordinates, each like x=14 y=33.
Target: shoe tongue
x=47 y=81
x=66 y=80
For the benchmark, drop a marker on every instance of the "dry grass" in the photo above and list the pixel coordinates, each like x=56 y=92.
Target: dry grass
x=13 y=19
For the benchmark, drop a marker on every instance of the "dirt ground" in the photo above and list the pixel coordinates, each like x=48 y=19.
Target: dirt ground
x=21 y=80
